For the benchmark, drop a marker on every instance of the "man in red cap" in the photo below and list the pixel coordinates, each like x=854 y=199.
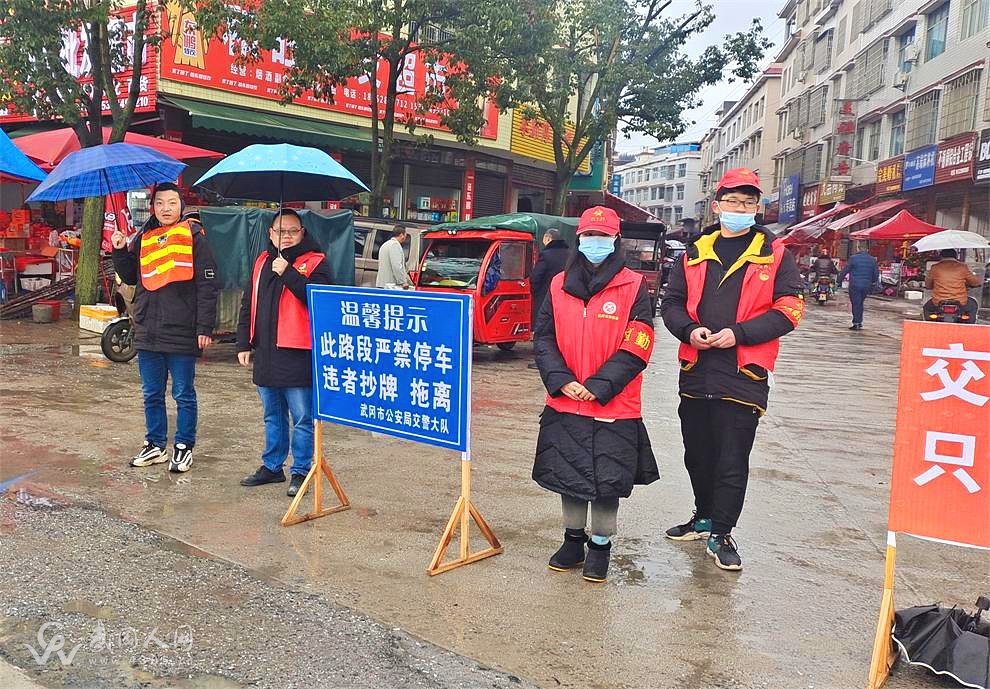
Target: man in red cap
x=729 y=300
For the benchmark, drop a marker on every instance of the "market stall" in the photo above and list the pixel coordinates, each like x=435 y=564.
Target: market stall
x=903 y=268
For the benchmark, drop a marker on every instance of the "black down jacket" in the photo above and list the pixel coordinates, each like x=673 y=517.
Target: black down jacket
x=580 y=456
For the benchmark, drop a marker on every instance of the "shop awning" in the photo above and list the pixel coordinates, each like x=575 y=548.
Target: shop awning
x=808 y=231
x=266 y=125
x=866 y=214
x=902 y=226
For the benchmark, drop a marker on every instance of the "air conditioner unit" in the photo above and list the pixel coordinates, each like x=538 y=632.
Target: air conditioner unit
x=799 y=134
x=900 y=80
x=912 y=53
x=802 y=76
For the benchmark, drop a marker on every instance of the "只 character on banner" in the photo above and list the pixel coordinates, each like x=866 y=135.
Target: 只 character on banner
x=174 y=309
x=729 y=300
x=273 y=330
x=594 y=337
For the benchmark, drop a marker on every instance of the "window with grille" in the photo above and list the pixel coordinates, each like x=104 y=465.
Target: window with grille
x=897 y=122
x=975 y=15
x=860 y=140
x=903 y=41
x=816 y=106
x=792 y=163
x=870 y=68
x=878 y=8
x=680 y=192
x=678 y=213
x=682 y=169
x=959 y=103
x=857 y=19
x=811 y=165
x=873 y=140
x=840 y=36
x=937 y=31
x=823 y=52
x=922 y=121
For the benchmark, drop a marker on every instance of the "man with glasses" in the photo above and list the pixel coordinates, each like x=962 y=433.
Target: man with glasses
x=273 y=331
x=735 y=292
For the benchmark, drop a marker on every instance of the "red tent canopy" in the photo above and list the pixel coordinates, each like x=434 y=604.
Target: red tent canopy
x=901 y=226
x=47 y=149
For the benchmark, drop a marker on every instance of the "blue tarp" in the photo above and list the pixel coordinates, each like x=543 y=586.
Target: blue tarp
x=13 y=163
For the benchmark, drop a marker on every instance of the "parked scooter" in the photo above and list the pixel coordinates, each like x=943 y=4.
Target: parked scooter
x=950 y=311
x=117 y=341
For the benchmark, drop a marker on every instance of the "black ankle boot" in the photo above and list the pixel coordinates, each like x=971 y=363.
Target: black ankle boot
x=596 y=564
x=571 y=553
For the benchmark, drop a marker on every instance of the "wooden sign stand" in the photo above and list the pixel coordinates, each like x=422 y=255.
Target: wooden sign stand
x=313 y=480
x=464 y=512
x=884 y=656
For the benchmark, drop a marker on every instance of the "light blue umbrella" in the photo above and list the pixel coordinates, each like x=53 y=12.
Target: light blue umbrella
x=281 y=172
x=13 y=163
x=107 y=169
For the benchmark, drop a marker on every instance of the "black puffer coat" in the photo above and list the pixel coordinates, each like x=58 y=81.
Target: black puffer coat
x=580 y=456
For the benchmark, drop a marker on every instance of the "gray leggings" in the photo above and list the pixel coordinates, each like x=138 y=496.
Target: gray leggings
x=603 y=514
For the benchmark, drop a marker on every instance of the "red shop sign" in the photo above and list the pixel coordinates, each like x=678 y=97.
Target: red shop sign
x=467 y=212
x=76 y=60
x=809 y=202
x=188 y=58
x=956 y=159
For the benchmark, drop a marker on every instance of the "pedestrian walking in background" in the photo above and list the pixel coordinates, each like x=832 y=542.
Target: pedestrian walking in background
x=864 y=276
x=273 y=331
x=732 y=296
x=594 y=336
x=392 y=272
x=172 y=267
x=552 y=260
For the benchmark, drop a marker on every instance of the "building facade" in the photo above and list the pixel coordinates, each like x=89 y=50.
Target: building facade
x=664 y=180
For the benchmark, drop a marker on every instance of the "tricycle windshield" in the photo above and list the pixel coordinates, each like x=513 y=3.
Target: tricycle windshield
x=453 y=263
x=640 y=254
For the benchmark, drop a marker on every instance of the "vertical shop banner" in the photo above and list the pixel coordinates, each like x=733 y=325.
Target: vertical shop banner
x=982 y=172
x=615 y=184
x=919 y=168
x=890 y=174
x=393 y=362
x=956 y=159
x=843 y=137
x=789 y=191
x=116 y=216
x=809 y=202
x=75 y=57
x=467 y=198
x=189 y=58
x=940 y=486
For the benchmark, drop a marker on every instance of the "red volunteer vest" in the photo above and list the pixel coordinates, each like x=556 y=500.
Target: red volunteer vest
x=755 y=300
x=588 y=335
x=293 y=315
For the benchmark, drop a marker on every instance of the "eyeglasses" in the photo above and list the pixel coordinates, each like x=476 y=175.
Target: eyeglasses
x=735 y=204
x=291 y=233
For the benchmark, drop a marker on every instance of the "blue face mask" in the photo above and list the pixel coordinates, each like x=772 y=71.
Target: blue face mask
x=596 y=249
x=737 y=222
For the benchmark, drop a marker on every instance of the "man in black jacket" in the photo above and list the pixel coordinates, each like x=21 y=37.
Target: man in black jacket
x=273 y=330
x=552 y=260
x=174 y=311
x=728 y=301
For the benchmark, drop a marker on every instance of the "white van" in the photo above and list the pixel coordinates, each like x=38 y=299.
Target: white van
x=369 y=235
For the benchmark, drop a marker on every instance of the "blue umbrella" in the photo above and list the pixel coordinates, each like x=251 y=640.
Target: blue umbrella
x=13 y=163
x=107 y=169
x=281 y=172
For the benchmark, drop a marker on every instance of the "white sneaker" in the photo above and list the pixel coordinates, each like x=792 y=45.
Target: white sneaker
x=181 y=459
x=149 y=454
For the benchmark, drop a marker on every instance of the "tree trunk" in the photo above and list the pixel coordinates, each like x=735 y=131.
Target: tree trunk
x=88 y=270
x=560 y=190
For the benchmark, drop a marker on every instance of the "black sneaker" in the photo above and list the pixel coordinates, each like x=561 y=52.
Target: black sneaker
x=295 y=484
x=149 y=454
x=596 y=563
x=692 y=530
x=856 y=326
x=262 y=476
x=181 y=459
x=722 y=548
x=571 y=553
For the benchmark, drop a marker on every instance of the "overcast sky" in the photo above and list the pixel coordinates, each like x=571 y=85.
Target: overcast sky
x=730 y=16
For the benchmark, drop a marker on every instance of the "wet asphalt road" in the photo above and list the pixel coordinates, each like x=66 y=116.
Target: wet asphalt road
x=292 y=602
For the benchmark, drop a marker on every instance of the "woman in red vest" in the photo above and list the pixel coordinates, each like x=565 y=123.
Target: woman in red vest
x=594 y=337
x=274 y=331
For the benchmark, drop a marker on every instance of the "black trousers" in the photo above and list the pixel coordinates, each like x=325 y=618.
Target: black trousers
x=718 y=437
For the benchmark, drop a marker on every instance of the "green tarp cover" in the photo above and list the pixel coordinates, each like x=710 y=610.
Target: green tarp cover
x=533 y=223
x=237 y=236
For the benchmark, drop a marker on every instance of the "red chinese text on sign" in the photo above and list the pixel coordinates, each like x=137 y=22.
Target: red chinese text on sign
x=940 y=484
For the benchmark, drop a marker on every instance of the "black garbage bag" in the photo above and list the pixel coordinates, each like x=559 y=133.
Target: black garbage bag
x=947 y=641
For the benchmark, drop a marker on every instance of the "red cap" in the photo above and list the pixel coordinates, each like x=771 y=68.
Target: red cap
x=599 y=219
x=739 y=177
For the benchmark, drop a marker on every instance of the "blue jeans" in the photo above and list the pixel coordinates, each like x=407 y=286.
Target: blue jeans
x=155 y=368
x=857 y=296
x=278 y=404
